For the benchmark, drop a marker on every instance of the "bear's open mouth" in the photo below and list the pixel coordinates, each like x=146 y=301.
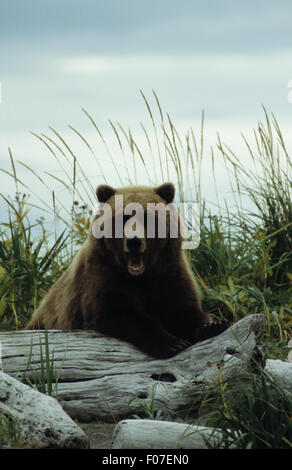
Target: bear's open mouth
x=135 y=264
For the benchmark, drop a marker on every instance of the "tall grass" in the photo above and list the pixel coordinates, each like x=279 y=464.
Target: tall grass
x=10 y=435
x=45 y=377
x=28 y=266
x=253 y=416
x=269 y=187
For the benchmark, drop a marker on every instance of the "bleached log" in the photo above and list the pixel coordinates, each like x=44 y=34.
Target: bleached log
x=149 y=434
x=102 y=377
x=39 y=418
x=281 y=372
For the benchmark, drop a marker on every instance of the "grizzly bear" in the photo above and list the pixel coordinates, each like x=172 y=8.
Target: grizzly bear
x=138 y=288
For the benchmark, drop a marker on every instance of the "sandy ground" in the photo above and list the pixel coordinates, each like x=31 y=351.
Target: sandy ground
x=100 y=434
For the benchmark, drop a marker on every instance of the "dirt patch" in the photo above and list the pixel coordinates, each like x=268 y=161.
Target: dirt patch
x=99 y=434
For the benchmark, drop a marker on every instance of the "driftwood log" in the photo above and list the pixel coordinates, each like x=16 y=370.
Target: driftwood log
x=281 y=372
x=149 y=434
x=41 y=420
x=102 y=377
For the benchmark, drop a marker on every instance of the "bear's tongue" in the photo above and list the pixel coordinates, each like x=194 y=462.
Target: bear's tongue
x=135 y=264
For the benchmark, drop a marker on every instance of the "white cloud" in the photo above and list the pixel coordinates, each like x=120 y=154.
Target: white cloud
x=229 y=65
x=88 y=65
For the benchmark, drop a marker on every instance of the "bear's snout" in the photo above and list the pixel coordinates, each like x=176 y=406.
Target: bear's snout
x=135 y=247
x=134 y=243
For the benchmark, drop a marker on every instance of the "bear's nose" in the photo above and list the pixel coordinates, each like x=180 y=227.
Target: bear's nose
x=134 y=243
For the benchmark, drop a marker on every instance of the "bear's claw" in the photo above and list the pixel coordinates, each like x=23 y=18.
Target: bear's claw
x=178 y=347
x=213 y=329
x=209 y=330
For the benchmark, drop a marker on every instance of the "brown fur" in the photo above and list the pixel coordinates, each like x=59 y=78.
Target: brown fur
x=158 y=311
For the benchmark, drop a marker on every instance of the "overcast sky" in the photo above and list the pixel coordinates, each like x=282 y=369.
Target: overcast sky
x=226 y=57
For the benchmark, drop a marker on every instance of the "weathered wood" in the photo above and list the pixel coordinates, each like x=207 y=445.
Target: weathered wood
x=40 y=418
x=149 y=434
x=102 y=377
x=281 y=372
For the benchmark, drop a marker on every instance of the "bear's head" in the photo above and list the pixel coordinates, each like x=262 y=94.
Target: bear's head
x=136 y=225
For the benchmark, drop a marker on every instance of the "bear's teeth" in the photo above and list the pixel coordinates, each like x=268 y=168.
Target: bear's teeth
x=136 y=268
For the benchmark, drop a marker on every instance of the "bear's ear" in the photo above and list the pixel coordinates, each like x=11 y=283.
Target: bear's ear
x=104 y=192
x=166 y=191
